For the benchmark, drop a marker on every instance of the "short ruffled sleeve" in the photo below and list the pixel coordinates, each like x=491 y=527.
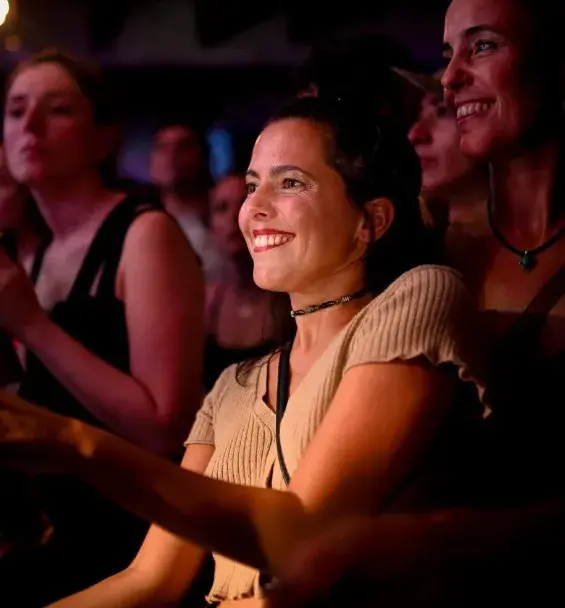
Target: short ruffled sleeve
x=426 y=313
x=202 y=431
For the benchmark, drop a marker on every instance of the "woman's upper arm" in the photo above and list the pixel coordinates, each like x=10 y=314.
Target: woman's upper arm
x=381 y=421
x=163 y=292
x=393 y=396
x=170 y=562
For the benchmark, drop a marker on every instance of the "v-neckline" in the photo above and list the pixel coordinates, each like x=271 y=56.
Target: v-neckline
x=265 y=376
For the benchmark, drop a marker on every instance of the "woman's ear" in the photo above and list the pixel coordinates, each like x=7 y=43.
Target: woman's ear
x=378 y=217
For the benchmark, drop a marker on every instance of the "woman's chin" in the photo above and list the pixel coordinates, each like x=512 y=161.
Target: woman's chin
x=33 y=177
x=270 y=281
x=477 y=148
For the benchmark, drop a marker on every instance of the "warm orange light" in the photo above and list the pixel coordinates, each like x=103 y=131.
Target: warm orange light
x=4 y=10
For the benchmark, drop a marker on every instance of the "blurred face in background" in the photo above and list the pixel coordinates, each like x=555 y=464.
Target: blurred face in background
x=226 y=199
x=176 y=157
x=49 y=128
x=435 y=136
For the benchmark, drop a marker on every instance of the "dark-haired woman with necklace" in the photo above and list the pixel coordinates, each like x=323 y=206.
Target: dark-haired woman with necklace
x=505 y=83
x=504 y=78
x=366 y=387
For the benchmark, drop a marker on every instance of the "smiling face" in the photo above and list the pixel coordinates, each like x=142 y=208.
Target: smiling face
x=490 y=79
x=298 y=221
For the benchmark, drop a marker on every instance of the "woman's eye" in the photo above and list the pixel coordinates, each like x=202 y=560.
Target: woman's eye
x=483 y=45
x=15 y=112
x=291 y=183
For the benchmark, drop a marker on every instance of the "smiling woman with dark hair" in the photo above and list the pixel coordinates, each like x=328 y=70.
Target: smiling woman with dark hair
x=504 y=78
x=359 y=410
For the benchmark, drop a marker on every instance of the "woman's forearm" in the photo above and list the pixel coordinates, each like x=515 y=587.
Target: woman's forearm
x=115 y=398
x=123 y=590
x=263 y=527
x=127 y=589
x=258 y=527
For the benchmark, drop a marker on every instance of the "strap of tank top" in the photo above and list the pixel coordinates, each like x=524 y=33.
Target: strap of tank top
x=529 y=323
x=38 y=260
x=106 y=249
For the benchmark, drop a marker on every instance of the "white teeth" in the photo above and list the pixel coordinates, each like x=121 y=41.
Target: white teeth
x=476 y=107
x=271 y=240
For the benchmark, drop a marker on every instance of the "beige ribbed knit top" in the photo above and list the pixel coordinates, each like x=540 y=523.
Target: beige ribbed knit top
x=423 y=313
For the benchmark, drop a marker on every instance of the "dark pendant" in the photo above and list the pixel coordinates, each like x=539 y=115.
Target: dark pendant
x=528 y=261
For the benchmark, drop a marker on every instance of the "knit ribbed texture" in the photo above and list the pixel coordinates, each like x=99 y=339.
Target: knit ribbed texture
x=426 y=312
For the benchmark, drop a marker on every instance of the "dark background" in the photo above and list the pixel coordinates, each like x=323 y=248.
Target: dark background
x=219 y=62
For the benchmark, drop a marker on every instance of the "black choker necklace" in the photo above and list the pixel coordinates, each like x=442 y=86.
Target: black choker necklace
x=528 y=258
x=343 y=300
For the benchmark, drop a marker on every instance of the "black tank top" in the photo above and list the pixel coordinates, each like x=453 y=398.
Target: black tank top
x=95 y=537
x=525 y=388
x=90 y=314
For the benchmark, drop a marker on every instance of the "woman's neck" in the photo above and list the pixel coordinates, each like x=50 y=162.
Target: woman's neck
x=468 y=201
x=320 y=326
x=524 y=190
x=67 y=206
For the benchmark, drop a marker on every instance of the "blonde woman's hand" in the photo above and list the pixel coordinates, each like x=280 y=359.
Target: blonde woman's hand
x=33 y=438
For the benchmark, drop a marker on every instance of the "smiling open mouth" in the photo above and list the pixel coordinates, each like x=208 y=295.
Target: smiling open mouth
x=263 y=242
x=473 y=109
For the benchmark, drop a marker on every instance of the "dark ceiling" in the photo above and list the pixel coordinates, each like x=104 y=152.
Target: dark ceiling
x=219 y=20
x=40 y=21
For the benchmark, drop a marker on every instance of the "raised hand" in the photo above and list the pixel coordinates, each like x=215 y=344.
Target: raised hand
x=33 y=438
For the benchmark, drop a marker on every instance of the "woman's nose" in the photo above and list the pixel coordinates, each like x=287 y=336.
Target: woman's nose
x=419 y=133
x=259 y=204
